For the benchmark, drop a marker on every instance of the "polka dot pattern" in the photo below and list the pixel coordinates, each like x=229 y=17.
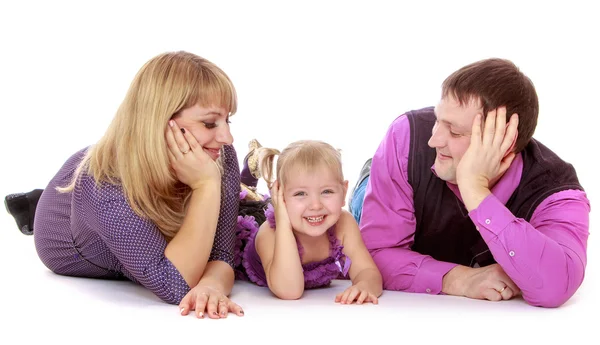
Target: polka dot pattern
x=93 y=232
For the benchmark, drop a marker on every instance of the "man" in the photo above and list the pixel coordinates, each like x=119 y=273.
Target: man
x=461 y=200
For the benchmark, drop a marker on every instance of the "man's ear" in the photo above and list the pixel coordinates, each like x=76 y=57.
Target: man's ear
x=512 y=146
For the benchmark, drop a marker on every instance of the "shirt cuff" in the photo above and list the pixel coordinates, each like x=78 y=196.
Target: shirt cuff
x=430 y=275
x=491 y=217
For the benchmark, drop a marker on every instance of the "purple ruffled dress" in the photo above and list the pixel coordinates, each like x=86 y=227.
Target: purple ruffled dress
x=316 y=274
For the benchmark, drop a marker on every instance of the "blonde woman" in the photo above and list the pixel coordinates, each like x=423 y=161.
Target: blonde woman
x=156 y=199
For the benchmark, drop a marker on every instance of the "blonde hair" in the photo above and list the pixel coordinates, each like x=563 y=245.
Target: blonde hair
x=133 y=150
x=303 y=154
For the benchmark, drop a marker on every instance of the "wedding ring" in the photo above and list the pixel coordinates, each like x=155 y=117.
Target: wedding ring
x=504 y=288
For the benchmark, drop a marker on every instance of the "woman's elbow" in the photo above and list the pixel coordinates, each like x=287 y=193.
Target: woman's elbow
x=171 y=298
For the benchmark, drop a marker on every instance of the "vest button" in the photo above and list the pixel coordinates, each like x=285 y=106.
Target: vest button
x=488 y=221
x=511 y=253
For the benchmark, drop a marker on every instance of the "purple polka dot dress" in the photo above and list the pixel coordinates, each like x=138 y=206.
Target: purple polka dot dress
x=93 y=232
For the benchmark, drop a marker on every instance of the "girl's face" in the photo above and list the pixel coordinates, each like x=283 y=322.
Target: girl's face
x=313 y=199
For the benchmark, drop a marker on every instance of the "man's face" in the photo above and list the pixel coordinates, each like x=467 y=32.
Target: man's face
x=451 y=135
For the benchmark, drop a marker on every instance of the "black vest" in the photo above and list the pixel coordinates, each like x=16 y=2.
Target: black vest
x=444 y=229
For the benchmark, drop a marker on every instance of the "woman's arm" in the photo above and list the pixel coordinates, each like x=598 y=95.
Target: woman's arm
x=219 y=275
x=208 y=229
x=190 y=248
x=136 y=242
x=210 y=295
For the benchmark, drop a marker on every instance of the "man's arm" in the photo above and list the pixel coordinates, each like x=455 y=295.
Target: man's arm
x=388 y=220
x=546 y=257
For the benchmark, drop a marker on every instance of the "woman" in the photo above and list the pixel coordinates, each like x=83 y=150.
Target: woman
x=156 y=199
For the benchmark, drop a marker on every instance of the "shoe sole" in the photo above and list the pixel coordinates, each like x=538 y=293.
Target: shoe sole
x=25 y=228
x=6 y=198
x=6 y=205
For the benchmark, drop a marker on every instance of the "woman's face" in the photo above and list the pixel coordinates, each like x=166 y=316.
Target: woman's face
x=210 y=127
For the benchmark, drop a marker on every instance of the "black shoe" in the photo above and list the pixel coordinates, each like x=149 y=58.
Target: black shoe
x=22 y=207
x=364 y=173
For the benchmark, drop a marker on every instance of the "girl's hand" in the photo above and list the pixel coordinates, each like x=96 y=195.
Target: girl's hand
x=282 y=218
x=359 y=293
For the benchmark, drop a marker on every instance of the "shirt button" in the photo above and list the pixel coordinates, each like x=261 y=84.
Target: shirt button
x=511 y=253
x=488 y=221
x=428 y=290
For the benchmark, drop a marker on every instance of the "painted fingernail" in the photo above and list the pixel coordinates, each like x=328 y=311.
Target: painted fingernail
x=182 y=130
x=171 y=123
x=242 y=312
x=201 y=315
x=181 y=310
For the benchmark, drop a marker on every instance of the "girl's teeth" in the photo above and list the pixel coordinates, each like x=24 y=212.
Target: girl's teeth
x=314 y=219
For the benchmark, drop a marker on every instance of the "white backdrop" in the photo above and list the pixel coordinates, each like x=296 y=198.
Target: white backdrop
x=338 y=71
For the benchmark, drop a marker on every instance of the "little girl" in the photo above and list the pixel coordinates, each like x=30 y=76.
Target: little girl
x=307 y=240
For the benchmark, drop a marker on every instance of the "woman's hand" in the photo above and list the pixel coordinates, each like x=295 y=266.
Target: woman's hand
x=210 y=301
x=191 y=164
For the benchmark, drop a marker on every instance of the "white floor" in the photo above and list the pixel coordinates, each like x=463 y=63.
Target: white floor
x=38 y=305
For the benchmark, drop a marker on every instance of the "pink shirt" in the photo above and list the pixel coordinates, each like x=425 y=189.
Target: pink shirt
x=545 y=257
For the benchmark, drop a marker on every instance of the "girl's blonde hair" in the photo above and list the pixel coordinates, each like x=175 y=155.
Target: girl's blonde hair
x=133 y=150
x=303 y=154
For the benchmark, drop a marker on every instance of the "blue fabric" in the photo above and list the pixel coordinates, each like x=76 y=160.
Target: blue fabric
x=356 y=202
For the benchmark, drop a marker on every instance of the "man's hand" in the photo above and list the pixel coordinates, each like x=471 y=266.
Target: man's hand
x=488 y=282
x=488 y=156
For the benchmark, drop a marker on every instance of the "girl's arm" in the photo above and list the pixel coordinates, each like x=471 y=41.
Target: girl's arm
x=279 y=255
x=366 y=279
